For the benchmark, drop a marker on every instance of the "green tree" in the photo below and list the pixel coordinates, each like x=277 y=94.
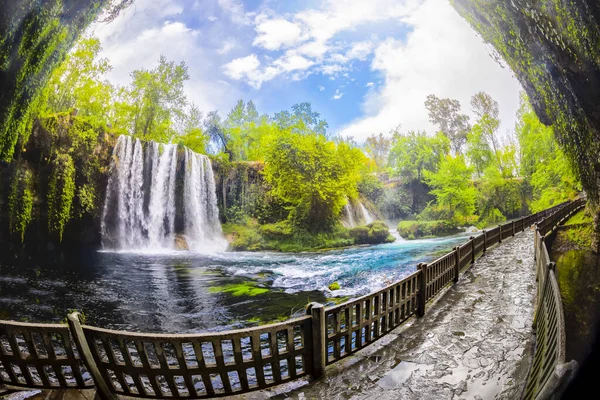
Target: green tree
x=77 y=83
x=498 y=197
x=157 y=99
x=193 y=136
x=453 y=189
x=35 y=37
x=414 y=153
x=478 y=151
x=377 y=148
x=314 y=176
x=302 y=119
x=543 y=164
x=446 y=115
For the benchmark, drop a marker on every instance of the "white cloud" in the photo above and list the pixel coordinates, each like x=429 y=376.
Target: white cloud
x=147 y=29
x=441 y=56
x=369 y=84
x=276 y=33
x=321 y=88
x=332 y=69
x=235 y=10
x=212 y=18
x=360 y=50
x=338 y=95
x=240 y=67
x=313 y=49
x=309 y=36
x=248 y=68
x=228 y=45
x=293 y=63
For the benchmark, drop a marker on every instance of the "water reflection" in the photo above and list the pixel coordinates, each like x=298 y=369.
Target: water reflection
x=187 y=292
x=578 y=274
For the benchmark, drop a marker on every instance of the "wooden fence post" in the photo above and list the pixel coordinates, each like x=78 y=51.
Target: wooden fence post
x=422 y=295
x=484 y=241
x=319 y=340
x=102 y=388
x=472 y=249
x=513 y=228
x=456 y=263
x=500 y=235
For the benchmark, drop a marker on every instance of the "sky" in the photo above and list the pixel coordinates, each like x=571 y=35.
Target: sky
x=365 y=65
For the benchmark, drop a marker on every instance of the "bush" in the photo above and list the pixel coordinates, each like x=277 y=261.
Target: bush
x=374 y=233
x=277 y=230
x=423 y=229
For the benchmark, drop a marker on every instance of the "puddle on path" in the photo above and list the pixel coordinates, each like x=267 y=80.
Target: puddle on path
x=400 y=374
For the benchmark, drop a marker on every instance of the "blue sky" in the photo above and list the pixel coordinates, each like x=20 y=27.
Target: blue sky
x=365 y=65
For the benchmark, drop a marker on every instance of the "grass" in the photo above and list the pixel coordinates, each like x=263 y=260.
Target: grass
x=580 y=218
x=577 y=234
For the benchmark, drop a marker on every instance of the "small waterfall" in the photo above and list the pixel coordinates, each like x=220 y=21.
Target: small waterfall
x=349 y=213
x=368 y=218
x=140 y=208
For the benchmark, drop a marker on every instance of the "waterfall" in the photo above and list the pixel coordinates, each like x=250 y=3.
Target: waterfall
x=140 y=208
x=201 y=214
x=368 y=218
x=348 y=209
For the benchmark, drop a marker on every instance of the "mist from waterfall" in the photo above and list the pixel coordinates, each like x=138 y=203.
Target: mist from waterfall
x=141 y=205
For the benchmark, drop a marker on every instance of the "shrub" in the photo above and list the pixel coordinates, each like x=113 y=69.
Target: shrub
x=374 y=233
x=420 y=229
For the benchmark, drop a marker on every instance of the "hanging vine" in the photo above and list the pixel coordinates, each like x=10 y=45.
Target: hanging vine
x=20 y=201
x=61 y=191
x=35 y=37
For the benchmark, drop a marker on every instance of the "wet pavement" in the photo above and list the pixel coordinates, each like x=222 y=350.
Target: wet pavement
x=475 y=342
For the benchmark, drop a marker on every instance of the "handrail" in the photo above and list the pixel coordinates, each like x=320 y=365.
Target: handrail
x=549 y=372
x=203 y=365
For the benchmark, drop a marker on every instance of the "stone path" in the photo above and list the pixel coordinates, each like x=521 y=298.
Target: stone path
x=475 y=342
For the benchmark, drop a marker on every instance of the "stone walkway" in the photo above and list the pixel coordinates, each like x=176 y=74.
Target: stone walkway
x=475 y=342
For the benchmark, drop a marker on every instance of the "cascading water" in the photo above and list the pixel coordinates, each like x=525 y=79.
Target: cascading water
x=348 y=211
x=140 y=208
x=201 y=215
x=366 y=215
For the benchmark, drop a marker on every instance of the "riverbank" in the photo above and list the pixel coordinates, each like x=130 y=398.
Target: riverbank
x=282 y=237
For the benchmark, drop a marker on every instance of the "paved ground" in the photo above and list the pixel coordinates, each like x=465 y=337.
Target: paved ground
x=475 y=342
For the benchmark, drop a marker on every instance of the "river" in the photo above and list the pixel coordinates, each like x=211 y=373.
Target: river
x=184 y=292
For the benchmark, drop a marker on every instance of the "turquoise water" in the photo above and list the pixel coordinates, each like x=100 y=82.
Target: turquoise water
x=189 y=292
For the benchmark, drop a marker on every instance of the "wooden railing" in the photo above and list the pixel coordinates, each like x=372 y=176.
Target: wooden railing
x=145 y=365
x=549 y=372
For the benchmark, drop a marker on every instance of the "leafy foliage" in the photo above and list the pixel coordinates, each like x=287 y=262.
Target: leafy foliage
x=415 y=153
x=454 y=191
x=445 y=114
x=314 y=176
x=36 y=36
x=61 y=192
x=20 y=200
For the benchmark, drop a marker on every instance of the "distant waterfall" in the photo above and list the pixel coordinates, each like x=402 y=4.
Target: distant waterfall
x=366 y=215
x=141 y=204
x=348 y=211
